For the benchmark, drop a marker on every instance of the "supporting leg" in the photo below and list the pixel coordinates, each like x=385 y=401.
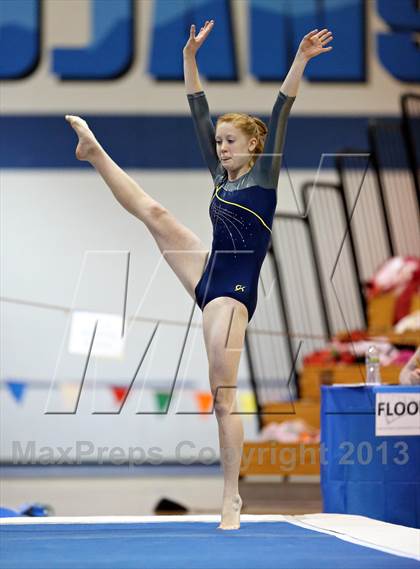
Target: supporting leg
x=225 y=322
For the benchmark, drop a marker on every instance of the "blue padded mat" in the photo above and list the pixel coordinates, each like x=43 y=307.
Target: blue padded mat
x=195 y=545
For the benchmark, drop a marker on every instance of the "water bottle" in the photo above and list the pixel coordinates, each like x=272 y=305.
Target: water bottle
x=373 y=372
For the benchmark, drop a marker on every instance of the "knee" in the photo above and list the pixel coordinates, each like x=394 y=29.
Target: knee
x=222 y=409
x=224 y=401
x=156 y=210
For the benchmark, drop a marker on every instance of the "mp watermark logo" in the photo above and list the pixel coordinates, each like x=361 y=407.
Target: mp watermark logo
x=151 y=347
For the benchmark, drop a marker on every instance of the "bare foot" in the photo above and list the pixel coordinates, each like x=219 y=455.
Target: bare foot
x=88 y=145
x=231 y=513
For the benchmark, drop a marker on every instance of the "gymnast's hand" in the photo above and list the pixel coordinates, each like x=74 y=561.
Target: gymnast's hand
x=313 y=44
x=196 y=41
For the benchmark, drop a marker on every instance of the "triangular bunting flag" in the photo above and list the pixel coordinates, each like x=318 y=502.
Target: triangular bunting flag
x=204 y=401
x=17 y=389
x=247 y=402
x=70 y=393
x=162 y=400
x=119 y=392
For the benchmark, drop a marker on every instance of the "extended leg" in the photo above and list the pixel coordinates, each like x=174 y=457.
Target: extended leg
x=183 y=250
x=224 y=322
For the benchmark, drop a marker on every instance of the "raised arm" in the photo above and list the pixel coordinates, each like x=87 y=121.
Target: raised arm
x=197 y=100
x=191 y=76
x=311 y=45
x=268 y=165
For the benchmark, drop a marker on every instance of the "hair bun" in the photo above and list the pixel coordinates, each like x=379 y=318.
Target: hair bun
x=262 y=128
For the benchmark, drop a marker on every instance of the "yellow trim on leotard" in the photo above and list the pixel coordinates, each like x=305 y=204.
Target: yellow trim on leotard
x=243 y=207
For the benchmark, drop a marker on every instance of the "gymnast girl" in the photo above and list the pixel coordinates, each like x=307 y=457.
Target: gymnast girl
x=244 y=159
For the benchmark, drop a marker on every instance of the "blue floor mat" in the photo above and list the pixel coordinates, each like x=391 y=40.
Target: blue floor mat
x=195 y=545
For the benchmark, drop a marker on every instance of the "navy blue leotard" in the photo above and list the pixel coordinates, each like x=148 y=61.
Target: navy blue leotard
x=241 y=210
